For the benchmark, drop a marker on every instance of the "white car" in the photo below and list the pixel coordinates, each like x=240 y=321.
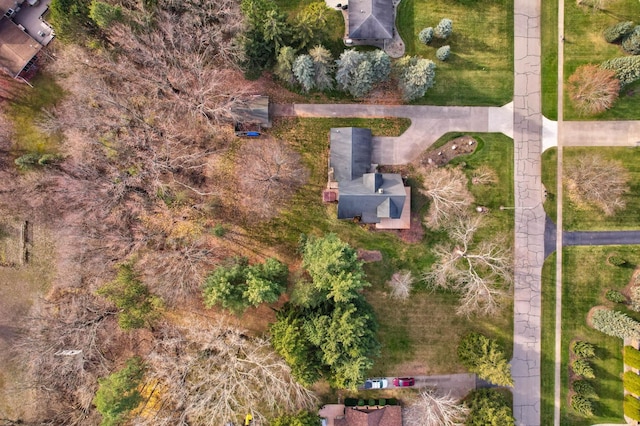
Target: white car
x=377 y=383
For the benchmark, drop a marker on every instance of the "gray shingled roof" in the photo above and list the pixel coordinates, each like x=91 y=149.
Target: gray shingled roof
x=350 y=155
x=371 y=19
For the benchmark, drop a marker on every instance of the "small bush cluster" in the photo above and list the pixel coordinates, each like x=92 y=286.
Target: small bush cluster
x=584 y=389
x=615 y=323
x=443 y=53
x=631 y=382
x=444 y=29
x=632 y=357
x=615 y=296
x=583 y=349
x=616 y=260
x=426 y=35
x=353 y=402
x=635 y=298
x=582 y=368
x=582 y=406
x=617 y=32
x=626 y=68
x=632 y=407
x=631 y=43
x=28 y=161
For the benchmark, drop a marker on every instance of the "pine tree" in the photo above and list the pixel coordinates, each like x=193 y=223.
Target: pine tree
x=323 y=67
x=284 y=65
x=304 y=72
x=444 y=29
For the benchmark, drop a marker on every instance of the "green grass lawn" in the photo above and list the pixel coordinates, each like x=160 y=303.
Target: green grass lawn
x=480 y=68
x=28 y=138
x=581 y=219
x=584 y=44
x=425 y=331
x=586 y=277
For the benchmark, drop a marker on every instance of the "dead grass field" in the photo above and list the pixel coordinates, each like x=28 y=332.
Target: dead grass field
x=19 y=287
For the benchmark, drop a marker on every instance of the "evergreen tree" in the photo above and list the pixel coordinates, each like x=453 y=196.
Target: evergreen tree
x=363 y=80
x=415 y=76
x=323 y=67
x=103 y=14
x=347 y=64
x=615 y=33
x=444 y=29
x=489 y=407
x=284 y=65
x=631 y=43
x=381 y=65
x=485 y=357
x=118 y=393
x=627 y=68
x=304 y=72
x=426 y=35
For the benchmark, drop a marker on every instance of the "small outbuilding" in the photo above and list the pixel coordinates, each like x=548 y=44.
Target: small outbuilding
x=252 y=116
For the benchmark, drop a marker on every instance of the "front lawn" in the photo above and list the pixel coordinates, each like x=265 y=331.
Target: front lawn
x=582 y=219
x=480 y=68
x=584 y=44
x=586 y=278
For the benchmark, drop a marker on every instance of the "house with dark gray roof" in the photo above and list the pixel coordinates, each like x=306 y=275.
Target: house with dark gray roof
x=371 y=19
x=362 y=192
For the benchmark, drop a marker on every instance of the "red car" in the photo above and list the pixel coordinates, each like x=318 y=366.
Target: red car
x=402 y=382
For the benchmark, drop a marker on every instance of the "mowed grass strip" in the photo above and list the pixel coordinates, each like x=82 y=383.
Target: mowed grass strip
x=584 y=44
x=480 y=68
x=592 y=219
x=548 y=342
x=586 y=278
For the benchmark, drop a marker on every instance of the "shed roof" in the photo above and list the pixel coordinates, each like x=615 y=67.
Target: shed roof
x=371 y=19
x=255 y=111
x=17 y=47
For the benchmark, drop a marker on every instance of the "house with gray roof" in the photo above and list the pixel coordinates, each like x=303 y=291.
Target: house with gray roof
x=371 y=19
x=363 y=192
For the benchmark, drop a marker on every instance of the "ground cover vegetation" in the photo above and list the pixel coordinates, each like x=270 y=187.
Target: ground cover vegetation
x=489 y=407
x=600 y=187
x=587 y=275
x=595 y=35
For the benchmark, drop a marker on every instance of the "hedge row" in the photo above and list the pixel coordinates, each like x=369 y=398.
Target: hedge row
x=632 y=357
x=632 y=407
x=354 y=402
x=631 y=382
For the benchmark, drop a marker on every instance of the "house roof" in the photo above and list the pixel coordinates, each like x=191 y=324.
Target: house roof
x=372 y=197
x=390 y=415
x=17 y=47
x=6 y=5
x=350 y=155
x=371 y=19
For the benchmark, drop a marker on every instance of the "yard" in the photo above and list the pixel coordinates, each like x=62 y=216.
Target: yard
x=586 y=278
x=418 y=336
x=583 y=219
x=480 y=68
x=584 y=44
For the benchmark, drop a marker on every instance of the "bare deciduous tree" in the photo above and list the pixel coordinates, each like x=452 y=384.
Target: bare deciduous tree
x=484 y=175
x=268 y=174
x=480 y=272
x=214 y=374
x=447 y=189
x=434 y=409
x=593 y=89
x=401 y=284
x=592 y=180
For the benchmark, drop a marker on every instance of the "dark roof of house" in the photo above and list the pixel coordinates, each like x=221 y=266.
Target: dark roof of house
x=390 y=415
x=17 y=47
x=350 y=155
x=371 y=19
x=372 y=197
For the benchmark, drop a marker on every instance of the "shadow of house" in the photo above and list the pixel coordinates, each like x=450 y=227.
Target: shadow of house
x=371 y=21
x=362 y=192
x=23 y=33
x=252 y=116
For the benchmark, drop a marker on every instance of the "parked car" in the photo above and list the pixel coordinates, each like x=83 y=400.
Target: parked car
x=377 y=383
x=402 y=382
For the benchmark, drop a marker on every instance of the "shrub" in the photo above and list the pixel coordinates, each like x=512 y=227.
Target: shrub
x=632 y=407
x=372 y=402
x=615 y=33
x=632 y=357
x=104 y=14
x=617 y=260
x=631 y=43
x=583 y=349
x=593 y=89
x=485 y=357
x=615 y=323
x=627 y=68
x=444 y=29
x=382 y=402
x=582 y=405
x=582 y=368
x=488 y=407
x=392 y=401
x=415 y=76
x=584 y=389
x=350 y=402
x=635 y=298
x=443 y=53
x=219 y=231
x=118 y=393
x=361 y=403
x=615 y=296
x=631 y=382
x=426 y=35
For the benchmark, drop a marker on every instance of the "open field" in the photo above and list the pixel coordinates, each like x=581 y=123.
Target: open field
x=480 y=68
x=584 y=44
x=582 y=219
x=586 y=278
